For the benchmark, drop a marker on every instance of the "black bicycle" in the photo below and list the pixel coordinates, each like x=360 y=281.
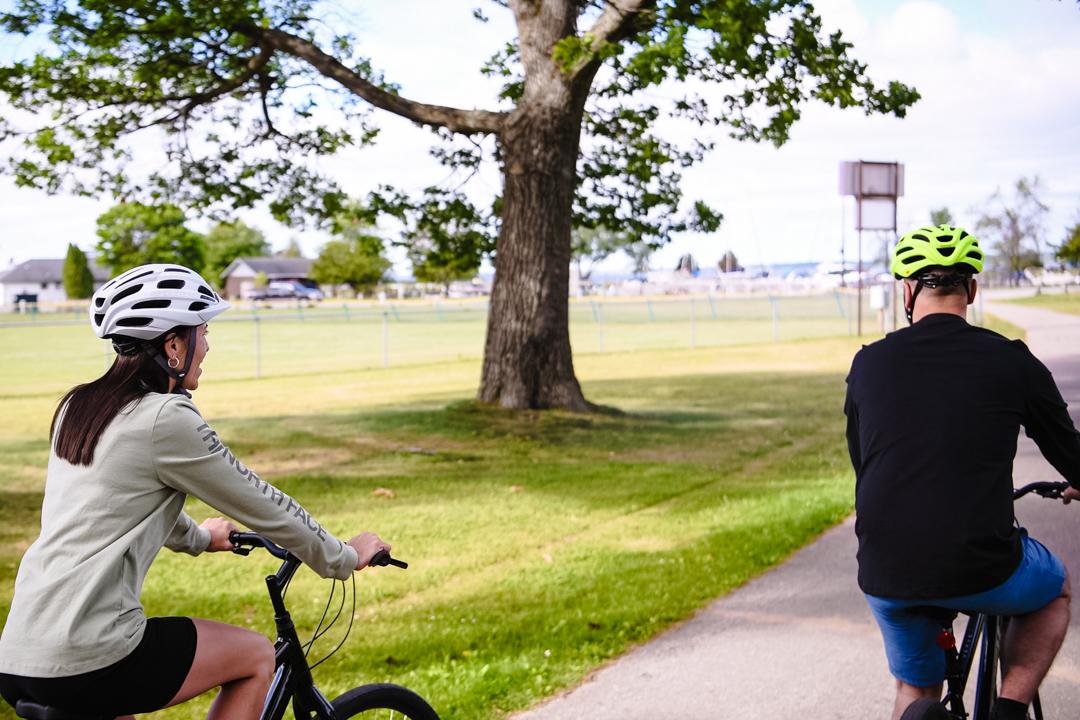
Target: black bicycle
x=984 y=632
x=293 y=681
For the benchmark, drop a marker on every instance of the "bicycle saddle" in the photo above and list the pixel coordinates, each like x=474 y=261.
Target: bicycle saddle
x=945 y=616
x=32 y=711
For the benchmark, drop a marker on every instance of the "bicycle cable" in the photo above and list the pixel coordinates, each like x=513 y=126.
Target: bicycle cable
x=352 y=616
x=319 y=629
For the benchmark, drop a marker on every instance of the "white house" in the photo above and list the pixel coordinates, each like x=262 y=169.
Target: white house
x=239 y=277
x=41 y=281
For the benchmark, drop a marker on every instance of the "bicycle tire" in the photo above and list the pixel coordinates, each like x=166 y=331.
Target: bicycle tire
x=989 y=670
x=382 y=701
x=926 y=709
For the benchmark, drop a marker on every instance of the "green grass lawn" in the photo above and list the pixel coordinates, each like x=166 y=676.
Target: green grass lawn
x=542 y=544
x=1058 y=302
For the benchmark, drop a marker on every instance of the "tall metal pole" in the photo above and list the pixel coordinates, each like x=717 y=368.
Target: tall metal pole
x=859 y=227
x=858 y=295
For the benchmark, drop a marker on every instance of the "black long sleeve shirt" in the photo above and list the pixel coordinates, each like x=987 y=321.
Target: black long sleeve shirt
x=933 y=416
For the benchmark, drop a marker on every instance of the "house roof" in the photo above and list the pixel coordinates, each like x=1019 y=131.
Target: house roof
x=47 y=270
x=272 y=266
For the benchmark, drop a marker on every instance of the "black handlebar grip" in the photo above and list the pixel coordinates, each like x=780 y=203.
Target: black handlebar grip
x=382 y=559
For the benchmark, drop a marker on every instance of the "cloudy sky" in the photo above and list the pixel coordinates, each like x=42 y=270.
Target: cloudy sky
x=1001 y=101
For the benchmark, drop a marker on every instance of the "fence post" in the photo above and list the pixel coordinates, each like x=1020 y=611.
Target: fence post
x=598 y=316
x=648 y=304
x=712 y=305
x=258 y=345
x=693 y=324
x=345 y=308
x=775 y=320
x=385 y=339
x=438 y=310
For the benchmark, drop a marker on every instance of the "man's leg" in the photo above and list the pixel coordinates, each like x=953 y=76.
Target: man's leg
x=1031 y=644
x=907 y=694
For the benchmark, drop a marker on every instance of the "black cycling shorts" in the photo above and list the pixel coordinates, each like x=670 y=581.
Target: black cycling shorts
x=144 y=681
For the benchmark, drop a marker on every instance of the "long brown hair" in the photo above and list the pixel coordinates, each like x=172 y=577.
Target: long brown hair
x=89 y=408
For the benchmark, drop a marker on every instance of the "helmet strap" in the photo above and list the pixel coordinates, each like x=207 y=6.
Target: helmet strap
x=909 y=308
x=178 y=373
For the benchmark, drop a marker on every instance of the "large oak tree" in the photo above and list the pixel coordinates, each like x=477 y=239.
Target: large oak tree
x=246 y=91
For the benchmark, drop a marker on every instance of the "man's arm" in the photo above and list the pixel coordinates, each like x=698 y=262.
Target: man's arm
x=852 y=412
x=1047 y=422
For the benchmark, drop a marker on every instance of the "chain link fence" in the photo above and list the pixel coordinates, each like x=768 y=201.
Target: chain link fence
x=44 y=352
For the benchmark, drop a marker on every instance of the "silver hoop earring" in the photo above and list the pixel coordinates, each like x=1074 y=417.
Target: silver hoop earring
x=174 y=363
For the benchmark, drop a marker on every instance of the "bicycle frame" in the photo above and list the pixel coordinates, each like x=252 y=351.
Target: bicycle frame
x=292 y=676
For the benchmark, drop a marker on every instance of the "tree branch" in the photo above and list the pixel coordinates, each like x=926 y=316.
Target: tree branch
x=453 y=119
x=614 y=25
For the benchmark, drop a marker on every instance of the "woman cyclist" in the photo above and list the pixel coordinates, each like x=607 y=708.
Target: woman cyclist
x=126 y=450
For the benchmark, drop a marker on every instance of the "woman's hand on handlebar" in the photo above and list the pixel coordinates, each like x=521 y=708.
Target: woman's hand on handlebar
x=1070 y=494
x=366 y=546
x=219 y=534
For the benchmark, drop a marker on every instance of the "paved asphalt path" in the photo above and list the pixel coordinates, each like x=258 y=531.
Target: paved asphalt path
x=798 y=642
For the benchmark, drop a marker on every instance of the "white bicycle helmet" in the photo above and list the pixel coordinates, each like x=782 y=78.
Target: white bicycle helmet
x=148 y=300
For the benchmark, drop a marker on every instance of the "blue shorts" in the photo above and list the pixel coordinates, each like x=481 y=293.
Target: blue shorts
x=911 y=636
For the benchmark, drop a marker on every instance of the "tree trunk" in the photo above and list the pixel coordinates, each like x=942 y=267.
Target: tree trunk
x=527 y=358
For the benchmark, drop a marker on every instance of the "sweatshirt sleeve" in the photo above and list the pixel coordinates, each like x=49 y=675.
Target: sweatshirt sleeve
x=189 y=457
x=1047 y=422
x=187 y=536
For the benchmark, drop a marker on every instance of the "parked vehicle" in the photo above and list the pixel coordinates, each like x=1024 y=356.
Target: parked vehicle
x=287 y=289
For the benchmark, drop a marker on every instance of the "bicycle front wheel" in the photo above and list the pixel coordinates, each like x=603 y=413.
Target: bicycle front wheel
x=382 y=702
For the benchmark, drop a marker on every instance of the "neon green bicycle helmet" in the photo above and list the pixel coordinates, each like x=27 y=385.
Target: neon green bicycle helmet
x=936 y=246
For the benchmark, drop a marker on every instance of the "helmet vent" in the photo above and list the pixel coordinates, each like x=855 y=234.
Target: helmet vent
x=98 y=317
x=920 y=236
x=178 y=269
x=203 y=290
x=151 y=304
x=134 y=321
x=911 y=259
x=136 y=277
x=975 y=255
x=946 y=251
x=171 y=284
x=126 y=293
x=903 y=249
x=99 y=301
x=198 y=305
x=944 y=238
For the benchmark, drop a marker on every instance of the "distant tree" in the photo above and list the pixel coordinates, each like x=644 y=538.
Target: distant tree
x=729 y=263
x=592 y=245
x=1011 y=228
x=261 y=280
x=227 y=241
x=292 y=249
x=639 y=253
x=132 y=233
x=78 y=280
x=687 y=265
x=1069 y=252
x=356 y=259
x=445 y=237
x=441 y=258
x=941 y=216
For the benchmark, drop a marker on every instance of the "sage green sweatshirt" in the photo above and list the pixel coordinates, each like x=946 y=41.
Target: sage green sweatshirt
x=76 y=606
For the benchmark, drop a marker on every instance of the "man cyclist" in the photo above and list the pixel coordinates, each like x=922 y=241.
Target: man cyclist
x=933 y=414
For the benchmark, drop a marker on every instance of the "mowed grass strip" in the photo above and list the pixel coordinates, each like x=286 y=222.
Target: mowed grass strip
x=1066 y=303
